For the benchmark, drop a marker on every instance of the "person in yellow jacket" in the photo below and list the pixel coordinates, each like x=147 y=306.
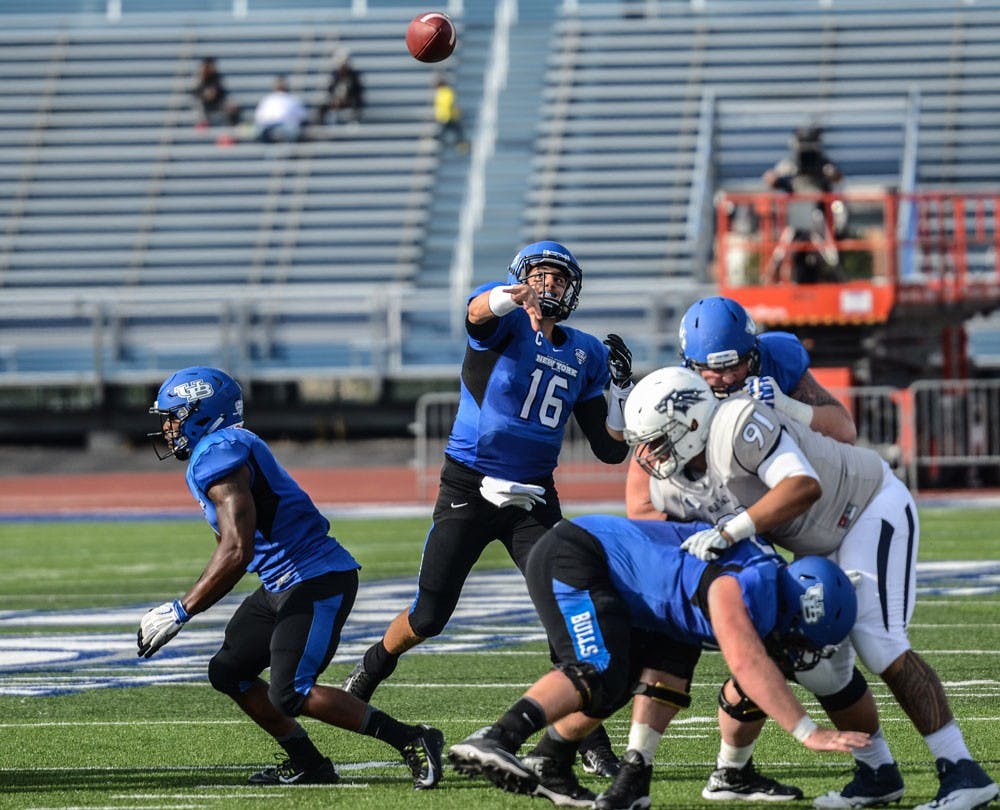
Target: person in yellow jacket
x=449 y=116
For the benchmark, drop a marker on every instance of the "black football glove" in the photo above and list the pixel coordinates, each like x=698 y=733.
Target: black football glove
x=619 y=360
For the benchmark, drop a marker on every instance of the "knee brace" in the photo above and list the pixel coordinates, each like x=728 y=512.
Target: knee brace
x=661 y=693
x=847 y=696
x=588 y=682
x=745 y=711
x=226 y=677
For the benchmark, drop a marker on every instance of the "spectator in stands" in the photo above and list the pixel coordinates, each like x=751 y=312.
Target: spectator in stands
x=264 y=522
x=523 y=376
x=807 y=170
x=212 y=97
x=344 y=93
x=448 y=115
x=280 y=115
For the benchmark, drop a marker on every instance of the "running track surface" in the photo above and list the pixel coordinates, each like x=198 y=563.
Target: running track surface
x=166 y=491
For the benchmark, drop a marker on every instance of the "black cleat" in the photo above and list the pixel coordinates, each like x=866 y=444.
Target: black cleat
x=964 y=786
x=287 y=774
x=600 y=761
x=483 y=754
x=423 y=757
x=868 y=788
x=630 y=790
x=360 y=683
x=558 y=783
x=745 y=784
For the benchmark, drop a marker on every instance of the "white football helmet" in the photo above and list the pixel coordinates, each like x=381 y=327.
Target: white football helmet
x=666 y=419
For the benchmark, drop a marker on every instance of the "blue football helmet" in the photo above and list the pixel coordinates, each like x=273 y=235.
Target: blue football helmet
x=201 y=400
x=549 y=254
x=717 y=333
x=817 y=607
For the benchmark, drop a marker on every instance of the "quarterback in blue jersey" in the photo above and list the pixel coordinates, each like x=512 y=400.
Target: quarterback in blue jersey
x=524 y=375
x=265 y=523
x=616 y=596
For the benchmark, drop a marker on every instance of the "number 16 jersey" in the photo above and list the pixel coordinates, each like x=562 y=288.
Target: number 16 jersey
x=518 y=391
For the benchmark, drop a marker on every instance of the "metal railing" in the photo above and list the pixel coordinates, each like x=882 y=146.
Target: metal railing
x=934 y=434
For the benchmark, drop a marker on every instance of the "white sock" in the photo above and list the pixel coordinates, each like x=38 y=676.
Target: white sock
x=947 y=743
x=876 y=753
x=733 y=756
x=645 y=740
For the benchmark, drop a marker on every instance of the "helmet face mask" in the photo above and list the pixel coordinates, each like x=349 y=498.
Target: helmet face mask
x=190 y=404
x=718 y=335
x=667 y=417
x=817 y=607
x=541 y=255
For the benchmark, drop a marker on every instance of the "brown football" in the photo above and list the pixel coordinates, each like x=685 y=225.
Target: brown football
x=430 y=37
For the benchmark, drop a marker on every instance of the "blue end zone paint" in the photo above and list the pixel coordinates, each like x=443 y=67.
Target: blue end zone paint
x=59 y=652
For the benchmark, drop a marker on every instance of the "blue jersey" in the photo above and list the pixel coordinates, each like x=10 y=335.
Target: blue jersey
x=662 y=584
x=783 y=357
x=518 y=392
x=291 y=542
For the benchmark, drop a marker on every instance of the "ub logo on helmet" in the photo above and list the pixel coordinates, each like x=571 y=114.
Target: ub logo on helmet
x=198 y=389
x=817 y=607
x=190 y=404
x=812 y=604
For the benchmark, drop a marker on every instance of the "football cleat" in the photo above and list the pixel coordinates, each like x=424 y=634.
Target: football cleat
x=630 y=790
x=745 y=784
x=286 y=773
x=558 y=783
x=361 y=683
x=483 y=754
x=964 y=786
x=868 y=788
x=600 y=761
x=422 y=755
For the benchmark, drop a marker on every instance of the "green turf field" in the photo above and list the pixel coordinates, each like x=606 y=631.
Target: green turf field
x=181 y=745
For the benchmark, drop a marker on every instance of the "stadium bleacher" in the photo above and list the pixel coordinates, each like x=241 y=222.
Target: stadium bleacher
x=615 y=125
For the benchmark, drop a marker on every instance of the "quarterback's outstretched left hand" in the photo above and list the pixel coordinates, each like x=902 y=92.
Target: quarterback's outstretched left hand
x=619 y=360
x=159 y=625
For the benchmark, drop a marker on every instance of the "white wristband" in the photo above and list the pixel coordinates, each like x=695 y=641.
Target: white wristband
x=616 y=406
x=799 y=411
x=739 y=528
x=804 y=728
x=501 y=302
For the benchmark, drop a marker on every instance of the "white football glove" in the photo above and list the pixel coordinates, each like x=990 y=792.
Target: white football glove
x=511 y=493
x=706 y=545
x=159 y=625
x=761 y=388
x=767 y=391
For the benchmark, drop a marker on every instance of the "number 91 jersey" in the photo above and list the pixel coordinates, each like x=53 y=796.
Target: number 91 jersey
x=743 y=436
x=518 y=391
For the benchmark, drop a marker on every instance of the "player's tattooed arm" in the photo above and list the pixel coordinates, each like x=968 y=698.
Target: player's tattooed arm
x=830 y=417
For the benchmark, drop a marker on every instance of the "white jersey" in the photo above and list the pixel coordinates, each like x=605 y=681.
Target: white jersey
x=743 y=434
x=682 y=499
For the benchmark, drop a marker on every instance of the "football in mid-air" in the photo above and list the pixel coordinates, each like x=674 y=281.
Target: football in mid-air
x=430 y=37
